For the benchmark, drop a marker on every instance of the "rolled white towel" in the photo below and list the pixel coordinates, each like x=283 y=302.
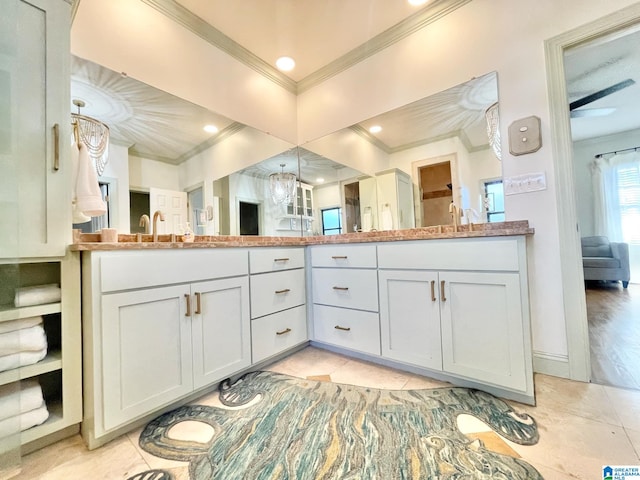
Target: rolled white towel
x=20 y=397
x=30 y=339
x=37 y=295
x=24 y=421
x=13 y=325
x=21 y=359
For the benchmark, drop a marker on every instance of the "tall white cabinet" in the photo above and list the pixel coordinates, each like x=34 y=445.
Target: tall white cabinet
x=35 y=201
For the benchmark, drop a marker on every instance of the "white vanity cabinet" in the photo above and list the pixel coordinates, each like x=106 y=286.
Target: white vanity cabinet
x=345 y=297
x=473 y=293
x=159 y=325
x=278 y=293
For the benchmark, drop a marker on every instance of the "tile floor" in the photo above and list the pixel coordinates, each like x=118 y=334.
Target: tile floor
x=582 y=426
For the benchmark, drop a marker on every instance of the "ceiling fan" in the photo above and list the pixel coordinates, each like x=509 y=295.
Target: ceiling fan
x=597 y=112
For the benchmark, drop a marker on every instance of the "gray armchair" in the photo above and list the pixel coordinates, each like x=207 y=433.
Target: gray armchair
x=604 y=260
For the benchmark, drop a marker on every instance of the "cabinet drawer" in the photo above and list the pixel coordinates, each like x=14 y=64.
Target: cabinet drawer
x=273 y=292
x=351 y=288
x=344 y=256
x=276 y=333
x=274 y=259
x=487 y=254
x=134 y=269
x=347 y=328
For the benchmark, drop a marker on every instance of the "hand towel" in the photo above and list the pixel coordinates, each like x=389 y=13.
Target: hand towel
x=20 y=397
x=367 y=221
x=37 y=295
x=88 y=196
x=24 y=421
x=12 y=325
x=21 y=359
x=78 y=216
x=30 y=339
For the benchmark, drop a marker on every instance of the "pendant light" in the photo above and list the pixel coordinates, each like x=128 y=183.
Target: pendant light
x=94 y=134
x=283 y=186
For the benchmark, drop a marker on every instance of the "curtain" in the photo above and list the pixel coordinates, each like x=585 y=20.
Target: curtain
x=616 y=187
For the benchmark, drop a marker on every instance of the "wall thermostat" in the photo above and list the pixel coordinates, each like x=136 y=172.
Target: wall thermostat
x=524 y=136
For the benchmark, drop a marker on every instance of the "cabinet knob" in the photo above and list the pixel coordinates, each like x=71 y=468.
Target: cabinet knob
x=285 y=290
x=286 y=330
x=344 y=329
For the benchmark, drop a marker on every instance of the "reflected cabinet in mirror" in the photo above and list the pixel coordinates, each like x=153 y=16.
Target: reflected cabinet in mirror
x=405 y=168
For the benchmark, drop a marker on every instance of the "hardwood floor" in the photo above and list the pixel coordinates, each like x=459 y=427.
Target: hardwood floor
x=613 y=313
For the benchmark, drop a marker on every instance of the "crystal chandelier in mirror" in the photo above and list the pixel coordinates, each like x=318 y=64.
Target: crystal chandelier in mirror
x=283 y=186
x=492 y=116
x=94 y=134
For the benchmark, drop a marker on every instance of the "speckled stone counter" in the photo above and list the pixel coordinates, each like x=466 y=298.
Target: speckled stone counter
x=91 y=241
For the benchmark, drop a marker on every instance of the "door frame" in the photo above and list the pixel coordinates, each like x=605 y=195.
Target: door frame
x=575 y=311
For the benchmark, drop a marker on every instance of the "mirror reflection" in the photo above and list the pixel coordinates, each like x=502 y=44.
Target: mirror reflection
x=423 y=158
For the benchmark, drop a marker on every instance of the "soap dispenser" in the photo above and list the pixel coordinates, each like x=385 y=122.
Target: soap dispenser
x=188 y=233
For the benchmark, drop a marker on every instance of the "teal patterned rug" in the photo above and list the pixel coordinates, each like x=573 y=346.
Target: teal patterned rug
x=304 y=429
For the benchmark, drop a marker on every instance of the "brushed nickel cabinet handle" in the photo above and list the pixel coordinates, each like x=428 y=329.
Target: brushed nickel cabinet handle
x=433 y=290
x=339 y=257
x=345 y=329
x=56 y=147
x=198 y=306
x=285 y=290
x=344 y=289
x=286 y=330
x=444 y=299
x=188 y=297
x=280 y=259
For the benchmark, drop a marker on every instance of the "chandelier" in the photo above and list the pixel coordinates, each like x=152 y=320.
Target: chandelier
x=282 y=186
x=492 y=115
x=94 y=134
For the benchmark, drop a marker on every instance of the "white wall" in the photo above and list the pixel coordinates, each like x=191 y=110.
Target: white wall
x=145 y=173
x=117 y=173
x=584 y=153
x=484 y=35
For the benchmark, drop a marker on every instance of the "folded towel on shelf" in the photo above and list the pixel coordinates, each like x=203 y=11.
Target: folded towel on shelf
x=24 y=340
x=13 y=325
x=20 y=397
x=22 y=359
x=37 y=295
x=24 y=421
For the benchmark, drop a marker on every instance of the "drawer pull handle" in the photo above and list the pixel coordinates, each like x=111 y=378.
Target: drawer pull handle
x=188 y=297
x=56 y=147
x=286 y=330
x=286 y=290
x=344 y=289
x=433 y=290
x=281 y=259
x=339 y=257
x=198 y=306
x=444 y=299
x=345 y=329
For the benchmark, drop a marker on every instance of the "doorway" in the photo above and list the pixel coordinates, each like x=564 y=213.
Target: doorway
x=249 y=218
x=436 y=193
x=578 y=367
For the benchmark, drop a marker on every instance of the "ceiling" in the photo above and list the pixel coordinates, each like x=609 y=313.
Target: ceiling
x=317 y=34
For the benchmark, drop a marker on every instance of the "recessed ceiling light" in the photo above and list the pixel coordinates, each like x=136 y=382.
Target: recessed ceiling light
x=417 y=3
x=320 y=180
x=210 y=129
x=285 y=64
x=375 y=129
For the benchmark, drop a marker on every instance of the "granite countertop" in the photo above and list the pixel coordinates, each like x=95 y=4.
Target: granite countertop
x=91 y=241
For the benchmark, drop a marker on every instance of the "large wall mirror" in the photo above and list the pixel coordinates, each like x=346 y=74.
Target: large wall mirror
x=428 y=154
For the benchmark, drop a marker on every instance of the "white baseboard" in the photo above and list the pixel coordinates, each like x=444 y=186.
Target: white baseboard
x=551 y=364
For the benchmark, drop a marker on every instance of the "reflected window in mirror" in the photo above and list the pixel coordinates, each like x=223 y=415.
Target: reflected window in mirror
x=332 y=221
x=494 y=200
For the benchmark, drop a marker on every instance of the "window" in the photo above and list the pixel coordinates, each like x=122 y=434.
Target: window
x=494 y=201
x=629 y=198
x=332 y=221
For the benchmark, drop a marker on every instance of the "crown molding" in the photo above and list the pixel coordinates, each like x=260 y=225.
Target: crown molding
x=409 y=25
x=215 y=37
x=222 y=135
x=74 y=9
x=371 y=139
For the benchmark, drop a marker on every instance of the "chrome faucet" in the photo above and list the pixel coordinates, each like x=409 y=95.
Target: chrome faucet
x=145 y=222
x=156 y=214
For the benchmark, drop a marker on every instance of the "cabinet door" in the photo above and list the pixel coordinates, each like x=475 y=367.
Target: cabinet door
x=146 y=351
x=34 y=93
x=410 y=317
x=221 y=329
x=482 y=328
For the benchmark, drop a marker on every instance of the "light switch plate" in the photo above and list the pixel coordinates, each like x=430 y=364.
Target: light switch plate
x=530 y=182
x=524 y=136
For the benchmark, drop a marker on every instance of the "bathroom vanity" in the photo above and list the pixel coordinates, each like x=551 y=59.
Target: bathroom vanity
x=165 y=321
